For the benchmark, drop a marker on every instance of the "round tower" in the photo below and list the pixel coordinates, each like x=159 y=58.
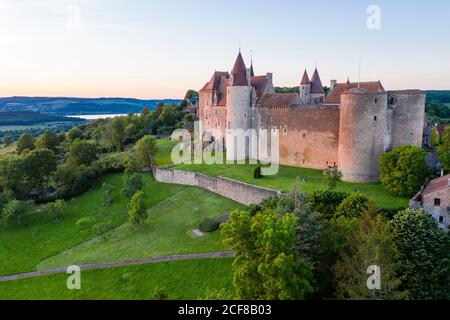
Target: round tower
x=305 y=88
x=239 y=112
x=408 y=117
x=361 y=134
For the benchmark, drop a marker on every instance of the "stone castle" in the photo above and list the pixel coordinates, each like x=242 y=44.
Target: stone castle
x=350 y=127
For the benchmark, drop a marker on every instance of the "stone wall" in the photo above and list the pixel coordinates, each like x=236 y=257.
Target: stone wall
x=309 y=135
x=238 y=191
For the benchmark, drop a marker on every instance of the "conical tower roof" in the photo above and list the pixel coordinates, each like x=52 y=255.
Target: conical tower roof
x=316 y=83
x=305 y=79
x=239 y=72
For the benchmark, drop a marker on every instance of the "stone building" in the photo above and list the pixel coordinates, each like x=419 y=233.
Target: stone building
x=435 y=199
x=350 y=127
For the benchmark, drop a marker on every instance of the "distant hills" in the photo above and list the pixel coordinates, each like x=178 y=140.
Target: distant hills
x=79 y=106
x=29 y=118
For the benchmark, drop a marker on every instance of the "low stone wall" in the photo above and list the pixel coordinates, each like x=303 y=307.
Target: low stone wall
x=238 y=191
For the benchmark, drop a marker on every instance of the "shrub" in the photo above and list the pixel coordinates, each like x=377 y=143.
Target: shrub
x=13 y=212
x=353 y=206
x=132 y=183
x=160 y=294
x=257 y=172
x=332 y=177
x=86 y=222
x=209 y=225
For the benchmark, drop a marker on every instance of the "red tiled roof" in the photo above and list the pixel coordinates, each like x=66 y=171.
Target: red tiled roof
x=316 y=83
x=215 y=81
x=239 y=72
x=279 y=99
x=259 y=83
x=305 y=79
x=334 y=96
x=437 y=185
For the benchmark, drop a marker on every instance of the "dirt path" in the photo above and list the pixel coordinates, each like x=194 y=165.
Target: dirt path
x=123 y=263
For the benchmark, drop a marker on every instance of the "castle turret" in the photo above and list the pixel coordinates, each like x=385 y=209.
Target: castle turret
x=239 y=112
x=305 y=88
x=361 y=134
x=317 y=92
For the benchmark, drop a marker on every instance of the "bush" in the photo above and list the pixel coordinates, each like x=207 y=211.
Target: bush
x=86 y=222
x=353 y=206
x=132 y=183
x=56 y=209
x=209 y=225
x=160 y=294
x=13 y=213
x=137 y=210
x=257 y=172
x=332 y=177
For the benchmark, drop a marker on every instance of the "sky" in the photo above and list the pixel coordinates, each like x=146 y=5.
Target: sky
x=161 y=48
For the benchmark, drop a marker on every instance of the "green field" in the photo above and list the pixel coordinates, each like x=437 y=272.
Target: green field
x=4 y=151
x=174 y=212
x=180 y=279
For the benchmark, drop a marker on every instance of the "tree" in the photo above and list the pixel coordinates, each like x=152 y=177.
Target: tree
x=370 y=245
x=102 y=229
x=56 y=209
x=108 y=198
x=40 y=164
x=26 y=142
x=132 y=183
x=435 y=139
x=48 y=140
x=332 y=177
x=353 y=206
x=444 y=150
x=266 y=265
x=404 y=170
x=75 y=133
x=326 y=202
x=83 y=153
x=8 y=140
x=13 y=212
x=424 y=255
x=145 y=151
x=137 y=210
x=118 y=126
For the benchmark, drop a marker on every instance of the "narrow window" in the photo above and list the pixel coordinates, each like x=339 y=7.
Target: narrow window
x=441 y=219
x=376 y=100
x=437 y=202
x=375 y=118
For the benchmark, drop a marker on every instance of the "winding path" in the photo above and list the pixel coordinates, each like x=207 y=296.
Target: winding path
x=195 y=256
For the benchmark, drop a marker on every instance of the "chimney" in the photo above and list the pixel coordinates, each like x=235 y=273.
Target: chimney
x=333 y=84
x=269 y=76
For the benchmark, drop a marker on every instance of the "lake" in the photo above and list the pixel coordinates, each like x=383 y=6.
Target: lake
x=97 y=116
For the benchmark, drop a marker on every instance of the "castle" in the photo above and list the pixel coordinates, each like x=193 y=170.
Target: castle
x=350 y=127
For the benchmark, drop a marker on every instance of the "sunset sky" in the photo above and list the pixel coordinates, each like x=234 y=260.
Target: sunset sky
x=161 y=48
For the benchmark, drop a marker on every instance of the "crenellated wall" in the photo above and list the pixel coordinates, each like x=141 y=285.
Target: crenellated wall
x=238 y=191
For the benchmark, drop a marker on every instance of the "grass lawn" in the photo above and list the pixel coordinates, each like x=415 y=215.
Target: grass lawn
x=41 y=239
x=309 y=180
x=7 y=150
x=180 y=279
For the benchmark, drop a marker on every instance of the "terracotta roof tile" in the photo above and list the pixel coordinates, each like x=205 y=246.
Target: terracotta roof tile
x=316 y=83
x=437 y=185
x=305 y=78
x=259 y=83
x=279 y=100
x=334 y=97
x=239 y=72
x=215 y=81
